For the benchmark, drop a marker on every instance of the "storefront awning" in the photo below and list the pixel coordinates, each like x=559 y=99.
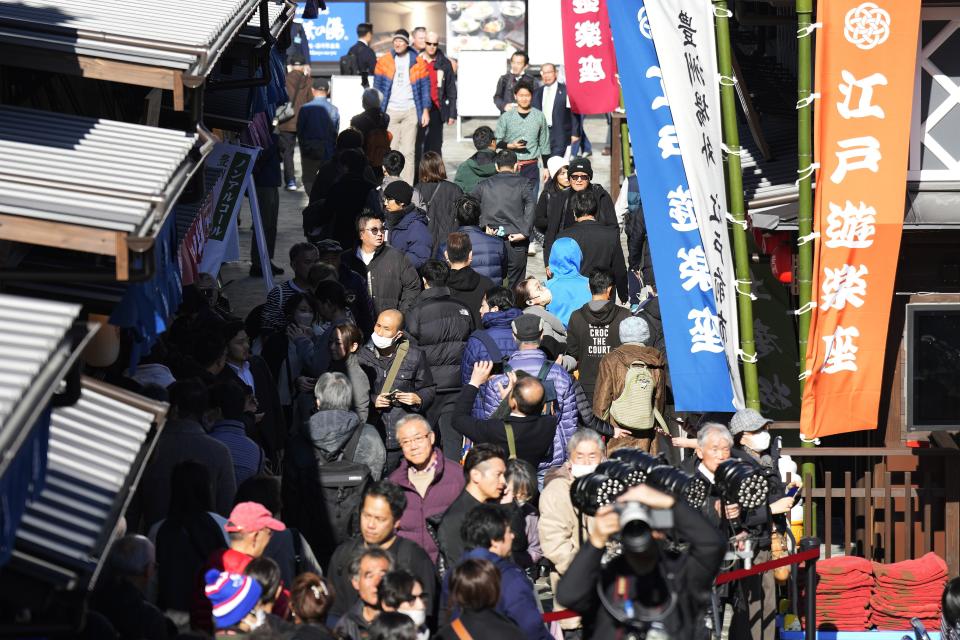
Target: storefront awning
x=98 y=448
x=89 y=184
x=167 y=44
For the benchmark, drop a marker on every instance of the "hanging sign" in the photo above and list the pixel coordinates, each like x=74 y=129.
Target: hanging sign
x=588 y=56
x=699 y=371
x=682 y=32
x=865 y=78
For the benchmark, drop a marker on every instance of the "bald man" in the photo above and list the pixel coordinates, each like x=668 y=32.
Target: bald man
x=518 y=425
x=412 y=388
x=443 y=95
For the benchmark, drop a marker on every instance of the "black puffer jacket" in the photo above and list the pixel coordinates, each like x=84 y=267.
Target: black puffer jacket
x=392 y=281
x=414 y=376
x=438 y=201
x=557 y=222
x=441 y=326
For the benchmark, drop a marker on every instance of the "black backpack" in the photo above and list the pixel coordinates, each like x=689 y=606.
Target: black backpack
x=349 y=65
x=342 y=483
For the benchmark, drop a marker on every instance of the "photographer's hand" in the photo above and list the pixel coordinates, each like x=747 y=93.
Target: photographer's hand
x=733 y=511
x=605 y=524
x=481 y=373
x=648 y=496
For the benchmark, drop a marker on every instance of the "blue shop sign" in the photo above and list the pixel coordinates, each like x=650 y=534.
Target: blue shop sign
x=331 y=34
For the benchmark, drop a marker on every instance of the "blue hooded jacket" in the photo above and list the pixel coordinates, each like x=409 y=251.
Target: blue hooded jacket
x=411 y=235
x=570 y=289
x=517 y=599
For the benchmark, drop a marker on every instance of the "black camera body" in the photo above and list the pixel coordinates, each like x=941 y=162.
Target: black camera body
x=392 y=397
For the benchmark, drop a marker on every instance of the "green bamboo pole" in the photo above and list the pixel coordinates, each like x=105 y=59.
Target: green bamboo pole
x=805 y=201
x=741 y=257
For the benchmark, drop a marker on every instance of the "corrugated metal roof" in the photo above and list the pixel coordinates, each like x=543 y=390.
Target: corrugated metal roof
x=35 y=350
x=177 y=34
x=98 y=447
x=89 y=171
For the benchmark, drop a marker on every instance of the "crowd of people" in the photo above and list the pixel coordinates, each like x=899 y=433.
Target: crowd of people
x=385 y=447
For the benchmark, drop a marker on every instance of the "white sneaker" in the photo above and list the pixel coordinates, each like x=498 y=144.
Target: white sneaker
x=532 y=249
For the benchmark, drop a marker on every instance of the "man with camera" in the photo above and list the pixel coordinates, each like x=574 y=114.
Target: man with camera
x=645 y=591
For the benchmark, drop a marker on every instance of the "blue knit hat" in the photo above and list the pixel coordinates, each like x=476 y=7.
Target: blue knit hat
x=232 y=595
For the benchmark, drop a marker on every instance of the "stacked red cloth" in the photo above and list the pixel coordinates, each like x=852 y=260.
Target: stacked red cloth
x=908 y=589
x=843 y=593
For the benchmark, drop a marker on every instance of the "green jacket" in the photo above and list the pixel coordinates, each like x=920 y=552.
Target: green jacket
x=476 y=168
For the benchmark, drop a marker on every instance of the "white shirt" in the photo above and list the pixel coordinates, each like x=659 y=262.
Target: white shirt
x=366 y=257
x=401 y=94
x=243 y=372
x=549 y=96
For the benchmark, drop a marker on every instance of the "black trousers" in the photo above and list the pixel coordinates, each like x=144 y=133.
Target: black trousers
x=440 y=415
x=288 y=142
x=269 y=200
x=516 y=262
x=429 y=138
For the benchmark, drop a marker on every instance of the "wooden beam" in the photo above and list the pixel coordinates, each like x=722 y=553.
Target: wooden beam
x=178 y=92
x=123 y=258
x=58 y=235
x=89 y=67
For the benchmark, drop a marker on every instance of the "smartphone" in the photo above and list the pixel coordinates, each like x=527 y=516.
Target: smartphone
x=792 y=491
x=523 y=142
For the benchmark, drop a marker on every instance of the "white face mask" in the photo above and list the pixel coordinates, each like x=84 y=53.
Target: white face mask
x=380 y=342
x=304 y=319
x=419 y=616
x=582 y=469
x=759 y=441
x=260 y=619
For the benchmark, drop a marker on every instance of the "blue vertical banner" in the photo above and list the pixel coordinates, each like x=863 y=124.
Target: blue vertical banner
x=700 y=375
x=331 y=34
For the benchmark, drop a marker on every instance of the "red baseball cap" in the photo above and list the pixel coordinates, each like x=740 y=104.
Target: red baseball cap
x=252 y=516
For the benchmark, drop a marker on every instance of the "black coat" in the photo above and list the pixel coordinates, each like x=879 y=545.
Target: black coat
x=549 y=208
x=414 y=376
x=562 y=118
x=557 y=222
x=504 y=93
x=600 y=245
x=392 y=281
x=447 y=91
x=439 y=199
x=337 y=213
x=506 y=200
x=689 y=576
x=533 y=435
x=486 y=623
x=441 y=326
x=469 y=287
x=271 y=432
x=366 y=58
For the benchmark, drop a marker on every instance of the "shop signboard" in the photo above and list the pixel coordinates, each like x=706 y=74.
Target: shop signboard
x=331 y=34
x=486 y=26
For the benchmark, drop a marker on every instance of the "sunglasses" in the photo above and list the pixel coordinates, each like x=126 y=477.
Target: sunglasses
x=375 y=230
x=432 y=44
x=580 y=177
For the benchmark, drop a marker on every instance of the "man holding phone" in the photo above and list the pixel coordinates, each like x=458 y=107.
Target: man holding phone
x=524 y=130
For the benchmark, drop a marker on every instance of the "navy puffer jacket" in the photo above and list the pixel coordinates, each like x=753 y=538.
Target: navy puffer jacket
x=440 y=326
x=489 y=253
x=498 y=325
x=409 y=233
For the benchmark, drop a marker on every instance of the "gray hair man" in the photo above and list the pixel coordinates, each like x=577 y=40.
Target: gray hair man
x=120 y=596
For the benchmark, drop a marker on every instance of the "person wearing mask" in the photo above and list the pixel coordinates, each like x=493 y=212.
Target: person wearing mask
x=532 y=296
x=366 y=569
x=495 y=341
x=644 y=577
x=310 y=598
x=524 y=130
x=391 y=278
x=184 y=439
x=550 y=203
x=503 y=96
x=274 y=598
x=268 y=427
x=551 y=98
x=440 y=326
x=483 y=471
x=318 y=122
x=594 y=329
x=569 y=290
x=489 y=257
x=303 y=255
x=611 y=375
x=401 y=592
x=599 y=244
x=438 y=197
x=430 y=480
x=383 y=506
x=560 y=391
x=345 y=342
x=487 y=535
x=361 y=51
x=475 y=593
x=300 y=92
x=464 y=283
x=405 y=85
x=226 y=415
x=234 y=597
x=411 y=386
x=407 y=227
x=524 y=431
x=443 y=93
x=358 y=298
x=506 y=211
x=562 y=530
x=480 y=165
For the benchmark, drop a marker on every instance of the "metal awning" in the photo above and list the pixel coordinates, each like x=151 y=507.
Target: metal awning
x=168 y=44
x=39 y=341
x=98 y=448
x=89 y=184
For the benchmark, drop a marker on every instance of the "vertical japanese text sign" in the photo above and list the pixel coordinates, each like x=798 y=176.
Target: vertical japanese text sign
x=865 y=68
x=698 y=364
x=588 y=57
x=686 y=46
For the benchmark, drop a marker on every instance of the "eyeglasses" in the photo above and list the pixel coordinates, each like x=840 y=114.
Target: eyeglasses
x=414 y=440
x=422 y=597
x=432 y=44
x=375 y=231
x=580 y=177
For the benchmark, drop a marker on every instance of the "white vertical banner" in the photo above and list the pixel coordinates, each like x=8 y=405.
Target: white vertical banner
x=686 y=46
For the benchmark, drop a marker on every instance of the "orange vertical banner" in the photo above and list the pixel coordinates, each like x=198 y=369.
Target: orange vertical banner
x=866 y=57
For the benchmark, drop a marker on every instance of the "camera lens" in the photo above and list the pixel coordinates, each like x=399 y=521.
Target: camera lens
x=590 y=492
x=691 y=489
x=741 y=483
x=635 y=528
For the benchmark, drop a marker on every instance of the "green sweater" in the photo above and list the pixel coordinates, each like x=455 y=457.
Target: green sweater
x=512 y=127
